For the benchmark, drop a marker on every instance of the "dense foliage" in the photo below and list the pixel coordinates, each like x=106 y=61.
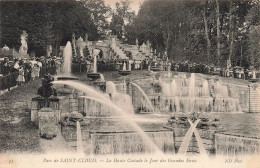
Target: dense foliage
x=207 y=31
x=50 y=22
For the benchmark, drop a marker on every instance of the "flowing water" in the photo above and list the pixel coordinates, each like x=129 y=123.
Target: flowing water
x=97 y=96
x=145 y=96
x=124 y=66
x=80 y=148
x=187 y=138
x=67 y=56
x=95 y=64
x=110 y=87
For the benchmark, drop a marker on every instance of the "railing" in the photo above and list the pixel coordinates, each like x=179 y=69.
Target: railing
x=8 y=81
x=46 y=70
x=79 y=67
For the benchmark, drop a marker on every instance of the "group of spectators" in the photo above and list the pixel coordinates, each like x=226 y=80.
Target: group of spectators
x=29 y=69
x=26 y=69
x=117 y=64
x=235 y=72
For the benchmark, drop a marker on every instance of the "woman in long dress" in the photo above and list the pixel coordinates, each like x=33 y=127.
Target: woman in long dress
x=35 y=71
x=20 y=79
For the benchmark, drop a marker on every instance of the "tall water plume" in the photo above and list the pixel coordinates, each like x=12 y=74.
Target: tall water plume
x=192 y=85
x=124 y=66
x=205 y=88
x=173 y=88
x=110 y=87
x=177 y=104
x=80 y=149
x=192 y=92
x=67 y=56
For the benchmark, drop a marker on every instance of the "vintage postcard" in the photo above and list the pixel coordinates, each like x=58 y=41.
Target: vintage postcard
x=130 y=83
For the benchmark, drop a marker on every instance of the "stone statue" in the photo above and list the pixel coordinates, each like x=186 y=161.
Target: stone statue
x=81 y=45
x=73 y=38
x=136 y=42
x=24 y=47
x=49 y=50
x=46 y=89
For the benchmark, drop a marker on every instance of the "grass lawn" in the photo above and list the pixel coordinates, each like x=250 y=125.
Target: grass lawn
x=19 y=138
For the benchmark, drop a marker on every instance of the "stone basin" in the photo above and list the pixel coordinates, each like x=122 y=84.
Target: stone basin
x=93 y=76
x=67 y=78
x=124 y=72
x=155 y=69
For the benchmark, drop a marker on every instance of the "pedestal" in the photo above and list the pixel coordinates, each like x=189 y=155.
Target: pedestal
x=57 y=104
x=47 y=123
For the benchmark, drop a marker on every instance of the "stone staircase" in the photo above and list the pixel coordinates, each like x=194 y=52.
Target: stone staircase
x=254 y=98
x=76 y=52
x=119 y=51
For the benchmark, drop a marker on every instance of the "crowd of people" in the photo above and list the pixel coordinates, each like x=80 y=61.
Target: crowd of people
x=235 y=72
x=24 y=70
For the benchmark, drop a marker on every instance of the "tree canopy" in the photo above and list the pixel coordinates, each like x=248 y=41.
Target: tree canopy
x=211 y=31
x=50 y=22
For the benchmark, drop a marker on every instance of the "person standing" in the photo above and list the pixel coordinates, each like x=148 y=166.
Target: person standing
x=20 y=79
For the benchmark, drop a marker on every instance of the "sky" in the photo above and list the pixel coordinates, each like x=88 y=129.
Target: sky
x=134 y=4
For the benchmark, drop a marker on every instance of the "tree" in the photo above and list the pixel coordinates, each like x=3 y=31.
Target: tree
x=193 y=30
x=46 y=22
x=99 y=14
x=253 y=17
x=206 y=30
x=218 y=33
x=122 y=16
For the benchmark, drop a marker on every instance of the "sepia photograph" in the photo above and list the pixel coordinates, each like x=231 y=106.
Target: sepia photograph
x=130 y=83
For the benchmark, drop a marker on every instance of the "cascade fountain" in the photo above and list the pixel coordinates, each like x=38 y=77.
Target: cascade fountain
x=93 y=95
x=126 y=117
x=209 y=97
x=192 y=94
x=107 y=114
